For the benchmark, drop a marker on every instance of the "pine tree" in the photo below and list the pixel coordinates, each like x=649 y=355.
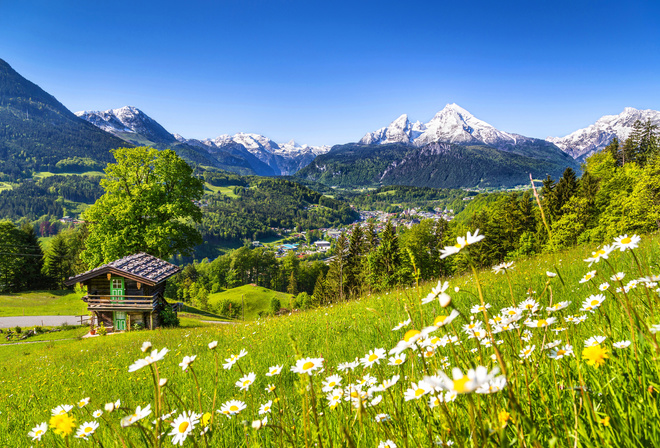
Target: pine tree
x=336 y=275
x=354 y=262
x=614 y=148
x=33 y=259
x=292 y=287
x=319 y=289
x=385 y=262
x=57 y=266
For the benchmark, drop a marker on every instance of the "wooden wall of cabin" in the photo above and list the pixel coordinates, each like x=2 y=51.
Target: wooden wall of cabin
x=100 y=286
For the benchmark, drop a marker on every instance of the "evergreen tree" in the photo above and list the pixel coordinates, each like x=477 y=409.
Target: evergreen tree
x=319 y=289
x=292 y=287
x=354 y=265
x=385 y=262
x=57 y=265
x=614 y=148
x=31 y=277
x=336 y=275
x=550 y=203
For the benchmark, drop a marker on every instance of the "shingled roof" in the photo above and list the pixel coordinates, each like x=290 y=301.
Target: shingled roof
x=141 y=267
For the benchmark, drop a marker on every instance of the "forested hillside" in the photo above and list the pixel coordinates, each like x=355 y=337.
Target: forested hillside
x=438 y=165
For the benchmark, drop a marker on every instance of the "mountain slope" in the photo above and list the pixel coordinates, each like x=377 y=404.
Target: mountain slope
x=38 y=131
x=438 y=165
x=584 y=142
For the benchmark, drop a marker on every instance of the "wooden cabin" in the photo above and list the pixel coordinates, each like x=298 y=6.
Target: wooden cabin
x=127 y=291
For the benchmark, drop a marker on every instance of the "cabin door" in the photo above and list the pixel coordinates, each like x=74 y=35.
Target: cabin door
x=119 y=320
x=117 y=289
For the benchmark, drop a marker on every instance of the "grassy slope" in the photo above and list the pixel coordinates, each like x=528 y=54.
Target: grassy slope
x=256 y=298
x=35 y=378
x=42 y=303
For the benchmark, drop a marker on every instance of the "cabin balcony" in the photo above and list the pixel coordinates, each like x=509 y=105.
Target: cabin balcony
x=120 y=303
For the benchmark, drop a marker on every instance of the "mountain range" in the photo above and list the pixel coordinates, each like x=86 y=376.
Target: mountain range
x=38 y=133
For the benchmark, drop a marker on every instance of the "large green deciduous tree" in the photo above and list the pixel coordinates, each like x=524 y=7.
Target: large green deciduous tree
x=149 y=205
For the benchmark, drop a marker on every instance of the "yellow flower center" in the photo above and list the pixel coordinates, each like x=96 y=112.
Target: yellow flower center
x=458 y=246
x=594 y=302
x=183 y=426
x=38 y=433
x=246 y=382
x=561 y=352
x=542 y=323
x=398 y=361
x=88 y=429
x=459 y=385
x=373 y=357
x=419 y=392
x=626 y=240
x=266 y=408
x=308 y=365
x=331 y=383
x=439 y=320
x=410 y=334
x=233 y=408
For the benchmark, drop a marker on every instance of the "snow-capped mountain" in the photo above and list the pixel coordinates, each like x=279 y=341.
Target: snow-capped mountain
x=584 y=142
x=128 y=120
x=452 y=124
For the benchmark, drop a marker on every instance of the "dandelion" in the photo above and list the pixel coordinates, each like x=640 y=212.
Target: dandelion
x=266 y=407
x=183 y=426
x=595 y=355
x=401 y=325
x=86 y=430
x=62 y=424
x=588 y=276
x=621 y=344
x=417 y=390
x=38 y=431
x=373 y=357
x=213 y=345
x=626 y=242
x=187 y=361
x=526 y=352
x=503 y=267
x=503 y=417
x=605 y=421
x=558 y=306
x=245 y=382
x=139 y=414
x=307 y=365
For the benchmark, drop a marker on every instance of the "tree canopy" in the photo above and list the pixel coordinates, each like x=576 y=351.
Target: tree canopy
x=149 y=205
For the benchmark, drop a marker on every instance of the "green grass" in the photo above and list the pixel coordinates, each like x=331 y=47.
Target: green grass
x=551 y=403
x=257 y=299
x=70 y=333
x=40 y=174
x=227 y=191
x=42 y=303
x=5 y=186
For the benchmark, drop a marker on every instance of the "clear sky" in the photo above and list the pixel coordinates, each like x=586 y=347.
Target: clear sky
x=328 y=72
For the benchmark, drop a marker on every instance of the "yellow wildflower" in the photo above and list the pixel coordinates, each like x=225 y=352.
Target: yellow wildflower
x=503 y=417
x=62 y=424
x=595 y=355
x=605 y=421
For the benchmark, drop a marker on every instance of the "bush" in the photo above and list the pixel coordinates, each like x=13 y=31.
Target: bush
x=275 y=305
x=18 y=329
x=102 y=330
x=225 y=307
x=305 y=301
x=137 y=326
x=168 y=317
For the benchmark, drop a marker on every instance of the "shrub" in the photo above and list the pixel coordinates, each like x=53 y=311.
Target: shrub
x=18 y=329
x=168 y=317
x=275 y=305
x=102 y=330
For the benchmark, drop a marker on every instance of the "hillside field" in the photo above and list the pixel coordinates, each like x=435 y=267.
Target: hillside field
x=42 y=303
x=257 y=299
x=578 y=392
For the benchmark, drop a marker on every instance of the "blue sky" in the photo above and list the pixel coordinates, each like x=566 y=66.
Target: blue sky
x=328 y=72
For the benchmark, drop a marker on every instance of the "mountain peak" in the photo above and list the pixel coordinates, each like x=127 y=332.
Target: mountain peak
x=586 y=141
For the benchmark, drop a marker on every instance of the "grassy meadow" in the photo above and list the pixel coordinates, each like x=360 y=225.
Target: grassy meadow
x=530 y=381
x=42 y=303
x=256 y=299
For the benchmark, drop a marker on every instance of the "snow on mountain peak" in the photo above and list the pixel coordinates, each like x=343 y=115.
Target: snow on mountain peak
x=127 y=119
x=452 y=124
x=586 y=141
